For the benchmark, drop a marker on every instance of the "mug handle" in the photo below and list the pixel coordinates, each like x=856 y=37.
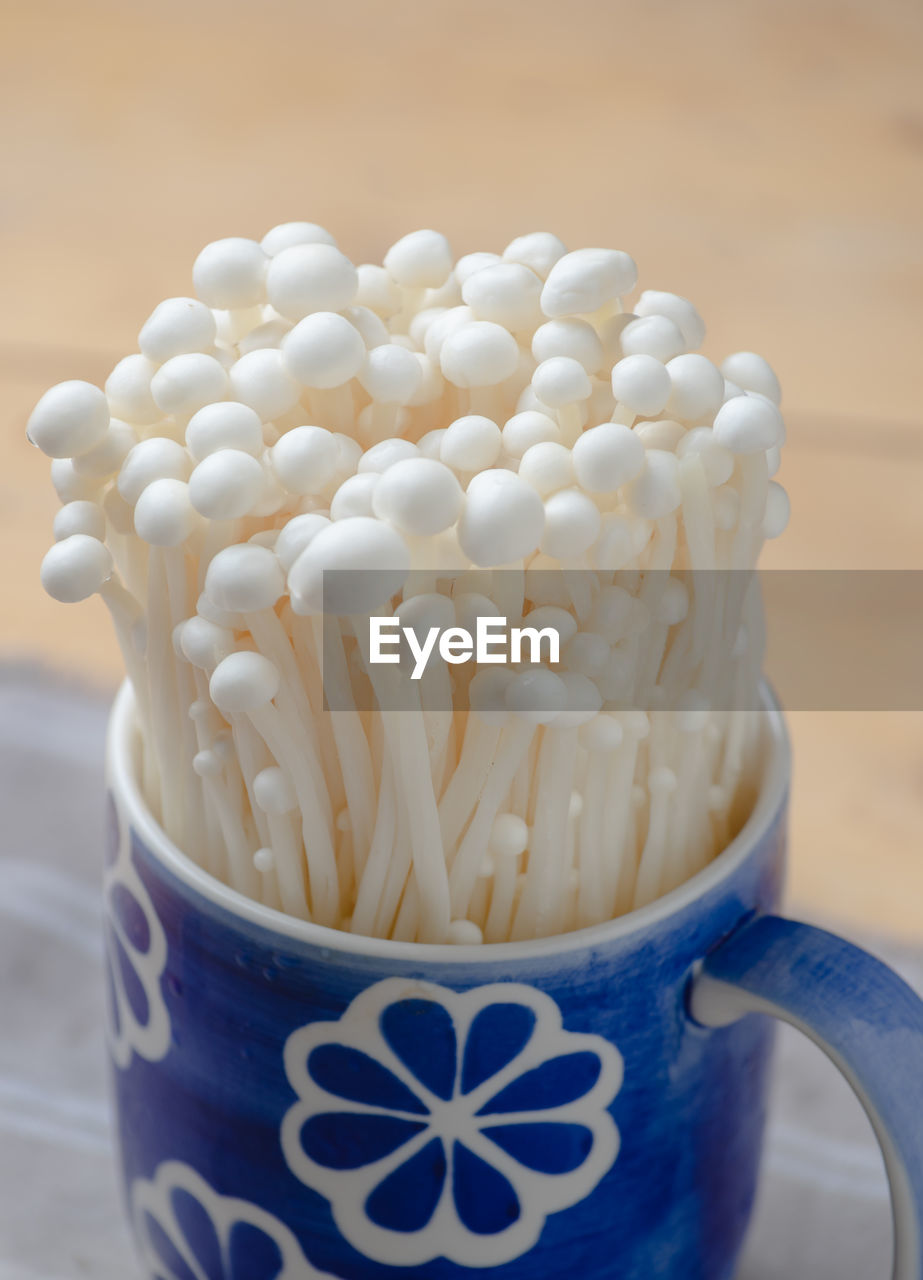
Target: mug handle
x=865 y=1018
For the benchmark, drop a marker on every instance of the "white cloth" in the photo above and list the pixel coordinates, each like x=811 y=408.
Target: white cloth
x=823 y=1210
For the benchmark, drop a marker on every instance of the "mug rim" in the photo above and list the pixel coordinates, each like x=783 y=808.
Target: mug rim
x=770 y=798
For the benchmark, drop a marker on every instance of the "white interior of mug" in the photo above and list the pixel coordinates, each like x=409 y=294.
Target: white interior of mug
x=122 y=758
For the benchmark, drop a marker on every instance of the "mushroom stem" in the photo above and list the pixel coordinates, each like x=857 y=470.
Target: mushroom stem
x=318 y=843
x=163 y=697
x=289 y=865
x=463 y=873
x=543 y=886
x=590 y=900
x=371 y=883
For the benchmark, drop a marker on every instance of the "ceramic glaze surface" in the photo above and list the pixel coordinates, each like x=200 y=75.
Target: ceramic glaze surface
x=517 y=1113
x=136 y=952
x=447 y=1124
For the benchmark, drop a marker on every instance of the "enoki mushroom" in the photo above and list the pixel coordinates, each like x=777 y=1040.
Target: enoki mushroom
x=506 y=435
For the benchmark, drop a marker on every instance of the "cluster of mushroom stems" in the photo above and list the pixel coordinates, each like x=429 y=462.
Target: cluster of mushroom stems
x=519 y=434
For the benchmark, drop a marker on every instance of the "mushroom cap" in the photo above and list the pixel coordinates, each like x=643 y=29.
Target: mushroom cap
x=308 y=277
x=749 y=424
x=243 y=682
x=419 y=496
x=585 y=280
x=69 y=419
x=287 y=234
x=352 y=566
x=324 y=350
x=224 y=425
x=231 y=273
x=75 y=568
x=226 y=484
x=177 y=326
x=503 y=519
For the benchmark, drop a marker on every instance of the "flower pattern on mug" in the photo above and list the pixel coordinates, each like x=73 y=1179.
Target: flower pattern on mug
x=136 y=955
x=449 y=1124
x=186 y=1231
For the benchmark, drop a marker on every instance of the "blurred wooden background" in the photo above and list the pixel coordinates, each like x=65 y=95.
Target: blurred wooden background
x=762 y=158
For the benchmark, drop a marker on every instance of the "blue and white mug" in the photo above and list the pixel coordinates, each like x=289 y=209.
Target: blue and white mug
x=293 y=1100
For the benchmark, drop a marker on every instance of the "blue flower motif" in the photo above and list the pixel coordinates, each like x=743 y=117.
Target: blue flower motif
x=186 y=1231
x=449 y=1124
x=136 y=955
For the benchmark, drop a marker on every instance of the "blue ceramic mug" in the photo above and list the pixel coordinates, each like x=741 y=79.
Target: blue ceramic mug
x=294 y=1100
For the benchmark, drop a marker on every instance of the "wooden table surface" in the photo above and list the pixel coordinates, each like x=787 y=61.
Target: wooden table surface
x=763 y=159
